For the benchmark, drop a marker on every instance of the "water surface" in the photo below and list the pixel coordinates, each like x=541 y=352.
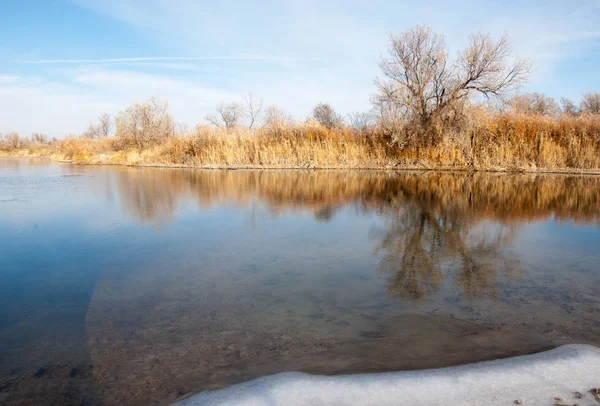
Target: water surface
x=141 y=285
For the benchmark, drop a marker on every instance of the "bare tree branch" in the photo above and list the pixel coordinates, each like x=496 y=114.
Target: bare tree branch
x=425 y=88
x=590 y=103
x=143 y=124
x=276 y=117
x=535 y=104
x=226 y=117
x=102 y=129
x=325 y=115
x=252 y=109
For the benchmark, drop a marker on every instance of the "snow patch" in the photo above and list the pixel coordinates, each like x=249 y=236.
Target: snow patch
x=559 y=376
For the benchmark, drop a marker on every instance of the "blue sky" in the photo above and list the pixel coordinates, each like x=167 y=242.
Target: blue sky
x=62 y=63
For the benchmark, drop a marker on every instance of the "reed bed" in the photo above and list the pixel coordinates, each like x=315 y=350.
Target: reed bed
x=489 y=141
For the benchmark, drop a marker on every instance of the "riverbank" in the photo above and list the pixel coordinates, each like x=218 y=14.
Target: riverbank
x=107 y=160
x=494 y=142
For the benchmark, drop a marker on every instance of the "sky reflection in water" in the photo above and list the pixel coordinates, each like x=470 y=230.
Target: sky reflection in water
x=186 y=280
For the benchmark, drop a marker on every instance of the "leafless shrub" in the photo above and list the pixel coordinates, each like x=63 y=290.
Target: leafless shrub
x=144 y=124
x=39 y=138
x=227 y=116
x=535 y=104
x=427 y=89
x=325 y=115
x=276 y=117
x=590 y=103
x=183 y=129
x=361 y=121
x=12 y=141
x=101 y=129
x=568 y=107
x=391 y=122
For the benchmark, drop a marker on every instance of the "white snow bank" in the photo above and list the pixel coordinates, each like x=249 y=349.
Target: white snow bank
x=537 y=379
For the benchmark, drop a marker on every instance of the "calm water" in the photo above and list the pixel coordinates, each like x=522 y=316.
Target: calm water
x=139 y=285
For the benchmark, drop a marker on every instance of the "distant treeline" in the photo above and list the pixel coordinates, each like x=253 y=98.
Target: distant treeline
x=428 y=110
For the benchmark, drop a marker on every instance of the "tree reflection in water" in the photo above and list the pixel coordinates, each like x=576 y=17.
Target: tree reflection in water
x=218 y=310
x=237 y=281
x=441 y=227
x=421 y=248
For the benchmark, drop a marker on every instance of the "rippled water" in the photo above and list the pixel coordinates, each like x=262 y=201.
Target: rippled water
x=141 y=285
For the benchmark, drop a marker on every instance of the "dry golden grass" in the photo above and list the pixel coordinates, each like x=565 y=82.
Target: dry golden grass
x=487 y=141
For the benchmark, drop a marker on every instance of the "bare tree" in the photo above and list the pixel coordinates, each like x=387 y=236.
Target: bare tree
x=361 y=121
x=420 y=242
x=535 y=104
x=227 y=116
x=428 y=88
x=590 y=103
x=325 y=115
x=106 y=125
x=144 y=124
x=39 y=138
x=391 y=119
x=276 y=117
x=182 y=128
x=11 y=141
x=93 y=131
x=252 y=109
x=102 y=129
x=568 y=107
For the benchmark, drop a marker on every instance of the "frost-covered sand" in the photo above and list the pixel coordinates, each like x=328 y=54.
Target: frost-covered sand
x=564 y=375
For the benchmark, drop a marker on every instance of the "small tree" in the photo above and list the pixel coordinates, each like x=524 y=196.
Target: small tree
x=325 y=115
x=590 y=103
x=276 y=117
x=252 y=109
x=143 y=124
x=11 y=141
x=39 y=138
x=227 y=116
x=568 y=107
x=535 y=104
x=391 y=120
x=361 y=121
x=106 y=125
x=183 y=129
x=102 y=129
x=429 y=90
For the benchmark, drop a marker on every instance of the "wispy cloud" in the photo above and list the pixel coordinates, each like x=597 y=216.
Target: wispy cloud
x=6 y=79
x=264 y=58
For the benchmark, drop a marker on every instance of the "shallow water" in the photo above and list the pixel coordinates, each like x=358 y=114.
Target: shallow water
x=142 y=285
